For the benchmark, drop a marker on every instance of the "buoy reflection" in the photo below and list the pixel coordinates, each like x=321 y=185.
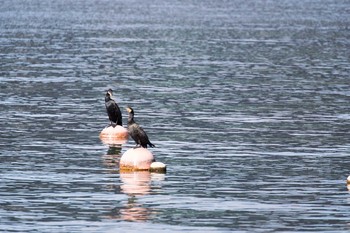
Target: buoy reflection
x=135 y=212
x=135 y=185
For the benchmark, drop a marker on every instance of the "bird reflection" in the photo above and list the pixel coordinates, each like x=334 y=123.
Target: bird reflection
x=114 y=150
x=111 y=159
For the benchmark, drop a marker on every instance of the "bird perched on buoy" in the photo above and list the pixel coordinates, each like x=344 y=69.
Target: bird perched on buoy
x=113 y=111
x=136 y=132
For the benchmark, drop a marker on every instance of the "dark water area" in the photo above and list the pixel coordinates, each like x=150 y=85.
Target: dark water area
x=247 y=103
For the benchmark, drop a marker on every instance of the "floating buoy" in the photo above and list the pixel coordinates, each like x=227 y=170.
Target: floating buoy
x=114 y=135
x=348 y=183
x=158 y=167
x=136 y=159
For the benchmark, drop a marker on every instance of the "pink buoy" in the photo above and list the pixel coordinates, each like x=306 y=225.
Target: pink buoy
x=139 y=159
x=114 y=135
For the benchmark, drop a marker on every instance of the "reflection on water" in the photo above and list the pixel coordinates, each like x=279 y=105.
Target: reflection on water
x=112 y=157
x=135 y=185
x=114 y=150
x=133 y=211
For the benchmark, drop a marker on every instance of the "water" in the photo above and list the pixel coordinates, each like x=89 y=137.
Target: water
x=247 y=103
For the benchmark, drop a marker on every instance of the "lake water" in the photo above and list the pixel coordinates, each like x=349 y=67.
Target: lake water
x=247 y=103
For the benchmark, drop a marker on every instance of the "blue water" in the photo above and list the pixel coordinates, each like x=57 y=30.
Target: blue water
x=247 y=103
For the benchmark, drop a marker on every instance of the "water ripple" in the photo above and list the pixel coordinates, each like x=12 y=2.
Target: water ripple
x=246 y=102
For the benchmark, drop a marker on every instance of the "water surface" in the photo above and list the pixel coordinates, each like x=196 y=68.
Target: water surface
x=246 y=102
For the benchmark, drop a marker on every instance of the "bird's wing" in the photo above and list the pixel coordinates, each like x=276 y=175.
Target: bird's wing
x=115 y=107
x=143 y=133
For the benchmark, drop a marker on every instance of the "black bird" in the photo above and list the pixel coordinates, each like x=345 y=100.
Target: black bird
x=113 y=111
x=136 y=132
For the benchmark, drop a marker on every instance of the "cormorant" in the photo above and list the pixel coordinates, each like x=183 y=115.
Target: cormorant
x=113 y=111
x=136 y=132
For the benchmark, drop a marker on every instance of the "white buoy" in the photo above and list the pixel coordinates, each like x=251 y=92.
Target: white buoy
x=114 y=135
x=158 y=167
x=138 y=159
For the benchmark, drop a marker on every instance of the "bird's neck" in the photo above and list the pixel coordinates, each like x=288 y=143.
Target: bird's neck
x=107 y=98
x=131 y=119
